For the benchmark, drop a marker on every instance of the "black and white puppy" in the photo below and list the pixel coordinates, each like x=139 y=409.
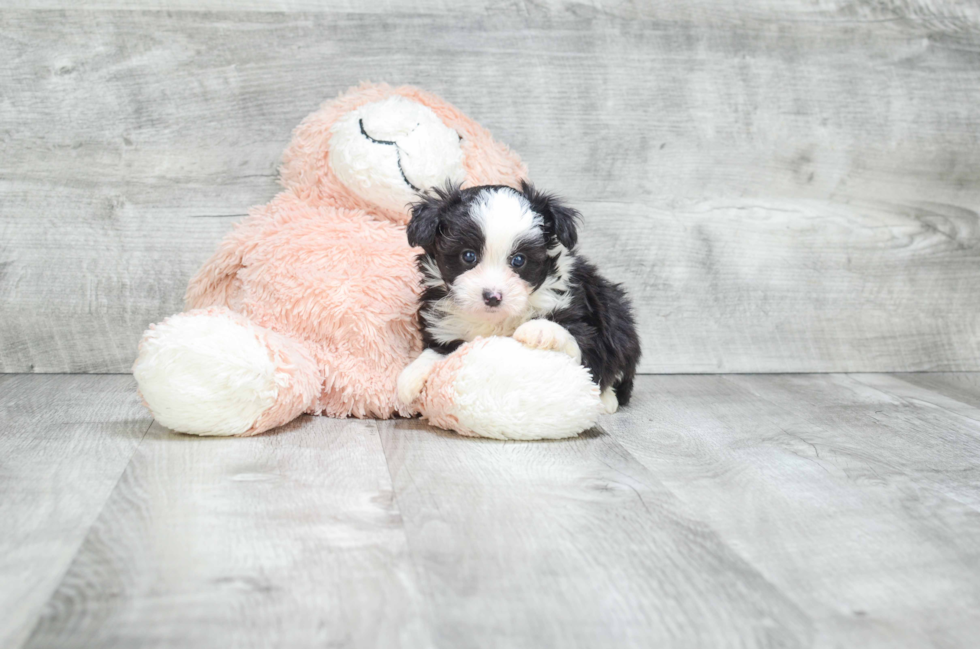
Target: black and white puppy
x=499 y=261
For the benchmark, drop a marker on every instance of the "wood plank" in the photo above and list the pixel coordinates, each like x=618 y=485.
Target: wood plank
x=961 y=386
x=570 y=544
x=102 y=262
x=833 y=510
x=676 y=255
x=919 y=396
x=933 y=448
x=290 y=539
x=738 y=511
x=945 y=14
x=64 y=442
x=228 y=110
x=745 y=286
x=741 y=178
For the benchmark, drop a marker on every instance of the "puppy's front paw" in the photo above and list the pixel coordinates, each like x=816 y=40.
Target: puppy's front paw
x=413 y=377
x=609 y=400
x=545 y=334
x=410 y=384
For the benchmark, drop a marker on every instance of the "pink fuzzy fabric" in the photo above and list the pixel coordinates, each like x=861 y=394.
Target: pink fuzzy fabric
x=331 y=276
x=439 y=395
x=293 y=360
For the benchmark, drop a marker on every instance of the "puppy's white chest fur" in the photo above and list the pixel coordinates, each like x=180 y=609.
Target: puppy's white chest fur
x=446 y=326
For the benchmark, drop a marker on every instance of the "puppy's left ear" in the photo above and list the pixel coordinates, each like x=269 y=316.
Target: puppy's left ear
x=560 y=220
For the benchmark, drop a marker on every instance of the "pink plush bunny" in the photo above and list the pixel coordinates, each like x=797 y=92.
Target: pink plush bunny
x=309 y=305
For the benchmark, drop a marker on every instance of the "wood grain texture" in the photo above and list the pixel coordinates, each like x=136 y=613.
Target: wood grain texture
x=960 y=386
x=947 y=14
x=64 y=442
x=290 y=540
x=827 y=488
x=742 y=287
x=87 y=268
x=570 y=544
x=789 y=187
x=733 y=511
x=930 y=447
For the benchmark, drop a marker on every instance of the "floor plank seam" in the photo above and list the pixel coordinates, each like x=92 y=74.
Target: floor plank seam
x=693 y=516
x=689 y=509
x=81 y=543
x=422 y=577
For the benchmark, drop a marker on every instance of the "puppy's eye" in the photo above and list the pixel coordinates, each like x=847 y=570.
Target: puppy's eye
x=468 y=257
x=517 y=260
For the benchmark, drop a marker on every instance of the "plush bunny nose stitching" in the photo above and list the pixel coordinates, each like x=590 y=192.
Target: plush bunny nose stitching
x=386 y=151
x=401 y=170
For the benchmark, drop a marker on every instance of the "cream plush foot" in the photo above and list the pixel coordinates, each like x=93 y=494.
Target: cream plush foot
x=545 y=334
x=496 y=387
x=212 y=372
x=413 y=377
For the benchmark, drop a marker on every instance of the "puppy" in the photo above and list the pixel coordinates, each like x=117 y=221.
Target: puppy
x=499 y=261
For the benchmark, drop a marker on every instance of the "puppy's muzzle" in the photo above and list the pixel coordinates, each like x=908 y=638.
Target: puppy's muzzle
x=492 y=298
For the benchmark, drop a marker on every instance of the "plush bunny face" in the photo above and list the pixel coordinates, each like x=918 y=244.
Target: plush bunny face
x=372 y=147
x=389 y=150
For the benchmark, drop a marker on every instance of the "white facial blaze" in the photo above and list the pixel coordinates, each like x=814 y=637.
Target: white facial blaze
x=505 y=218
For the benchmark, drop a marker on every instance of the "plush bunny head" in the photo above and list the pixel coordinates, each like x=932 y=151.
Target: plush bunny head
x=374 y=148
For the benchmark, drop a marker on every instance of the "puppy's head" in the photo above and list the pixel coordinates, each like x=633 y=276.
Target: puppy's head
x=492 y=247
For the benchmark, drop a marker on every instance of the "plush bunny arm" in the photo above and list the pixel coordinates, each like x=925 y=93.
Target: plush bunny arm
x=496 y=387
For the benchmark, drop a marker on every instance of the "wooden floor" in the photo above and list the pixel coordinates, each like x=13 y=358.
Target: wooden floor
x=781 y=510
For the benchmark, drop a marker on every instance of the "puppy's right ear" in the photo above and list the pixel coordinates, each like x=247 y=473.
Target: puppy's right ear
x=427 y=214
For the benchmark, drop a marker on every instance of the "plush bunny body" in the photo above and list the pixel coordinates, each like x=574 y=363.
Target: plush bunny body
x=309 y=305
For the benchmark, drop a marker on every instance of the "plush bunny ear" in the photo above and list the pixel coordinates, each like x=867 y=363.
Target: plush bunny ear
x=560 y=220
x=427 y=214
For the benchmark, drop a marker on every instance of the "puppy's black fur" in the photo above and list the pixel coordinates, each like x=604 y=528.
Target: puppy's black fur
x=598 y=313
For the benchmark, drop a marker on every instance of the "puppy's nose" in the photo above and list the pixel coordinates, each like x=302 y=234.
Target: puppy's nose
x=492 y=298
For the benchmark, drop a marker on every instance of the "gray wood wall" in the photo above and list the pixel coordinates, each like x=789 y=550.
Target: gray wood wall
x=782 y=185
